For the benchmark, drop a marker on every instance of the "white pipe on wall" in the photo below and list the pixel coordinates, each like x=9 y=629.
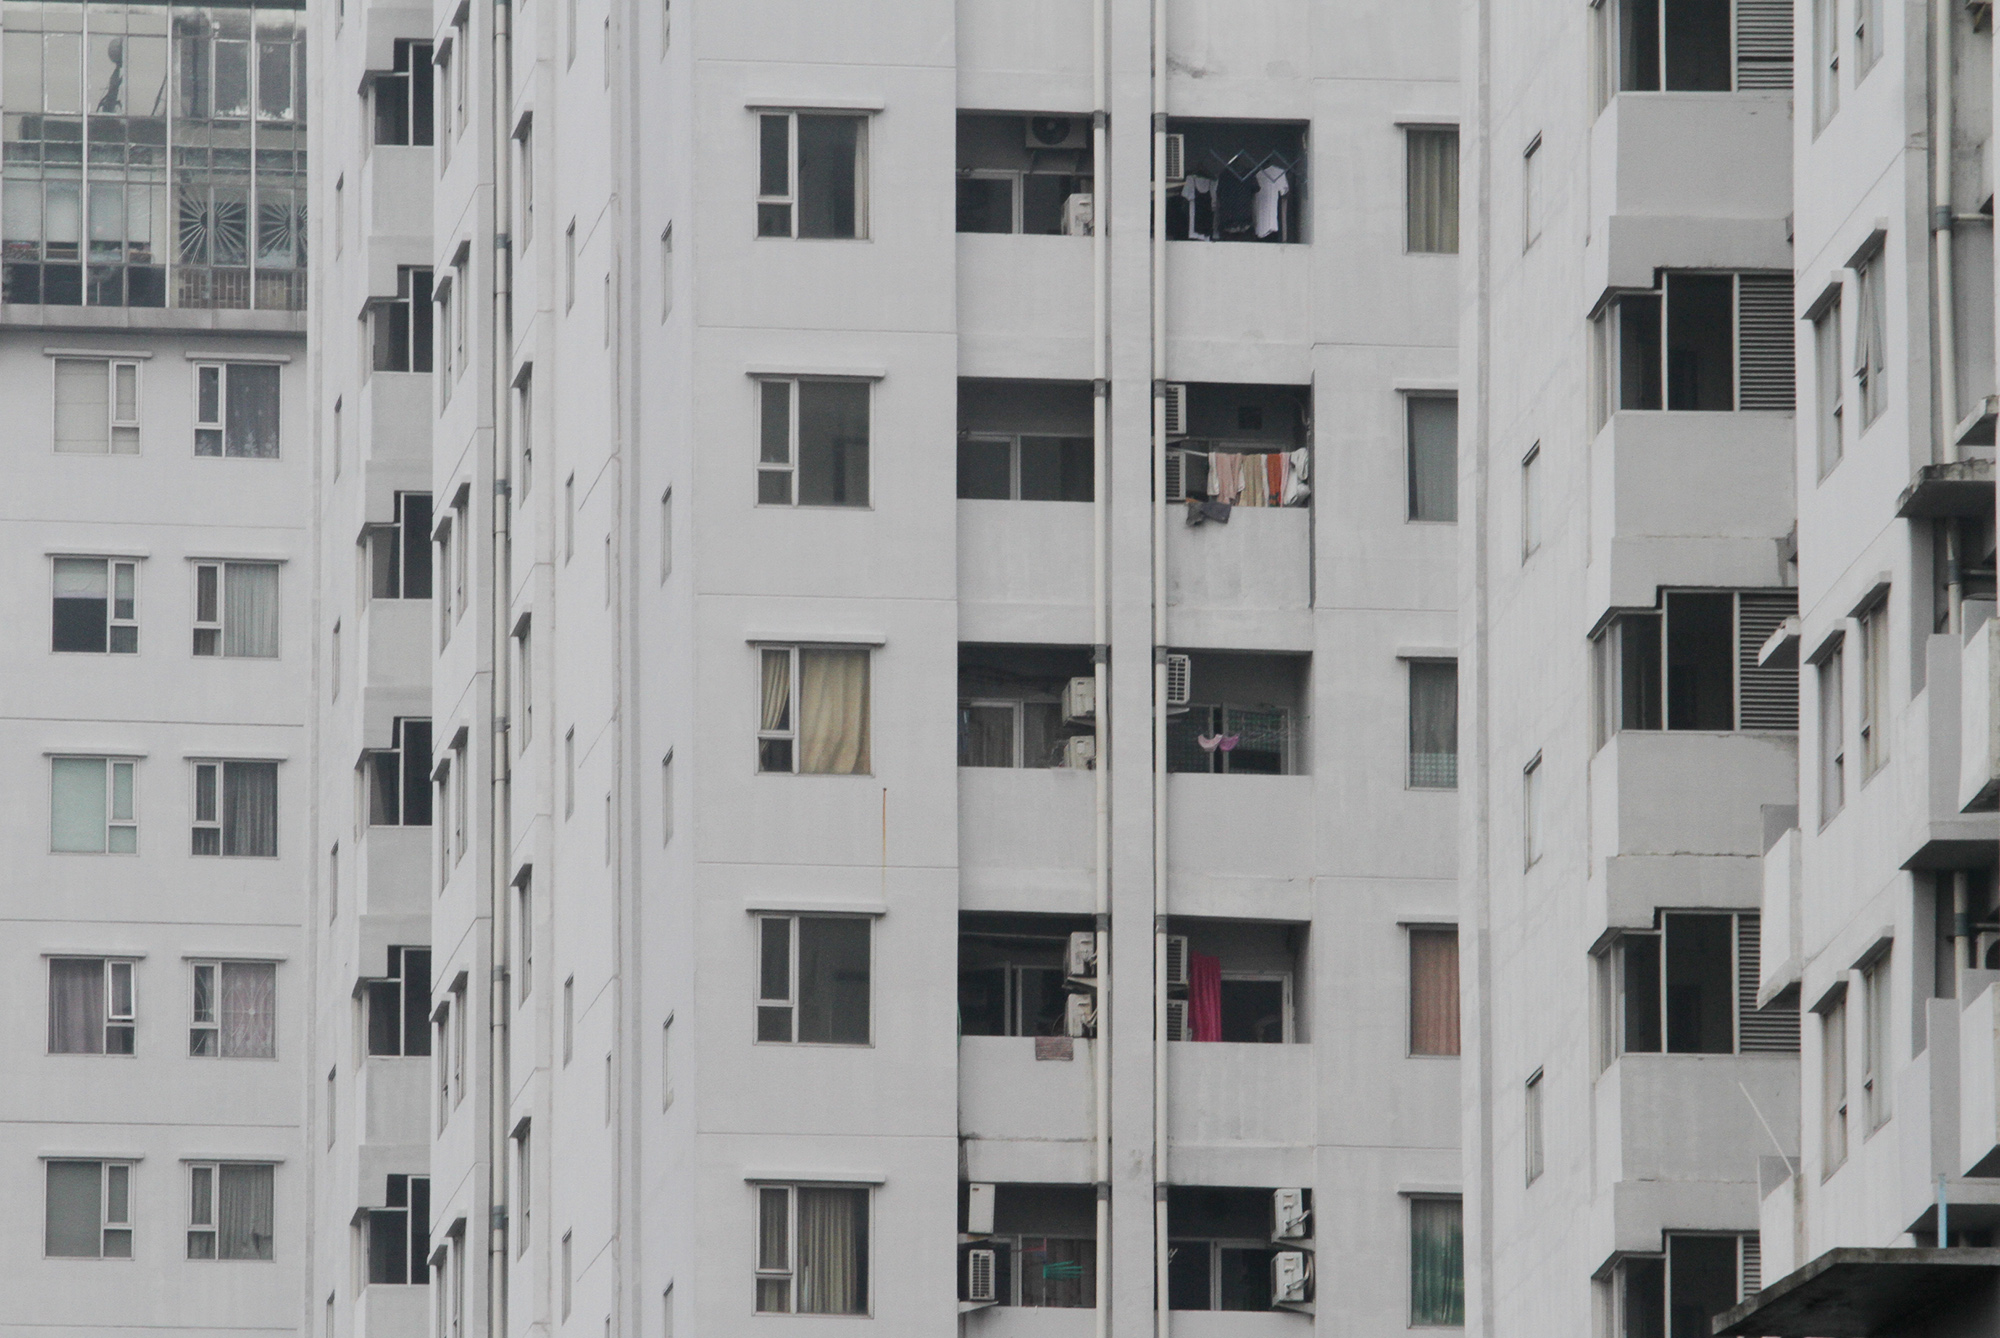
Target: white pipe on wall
x=1943 y=129
x=1100 y=515
x=1159 y=518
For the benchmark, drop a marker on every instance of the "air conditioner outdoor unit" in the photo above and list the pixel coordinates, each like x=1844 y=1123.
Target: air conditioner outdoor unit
x=979 y=1209
x=1080 y=752
x=1289 y=1215
x=1177 y=961
x=1178 y=677
x=1058 y=132
x=980 y=1272
x=1081 y=964
x=1080 y=701
x=1291 y=1277
x=1176 y=397
x=1080 y=1015
x=1079 y=215
x=1177 y=1019
x=1176 y=159
x=1177 y=476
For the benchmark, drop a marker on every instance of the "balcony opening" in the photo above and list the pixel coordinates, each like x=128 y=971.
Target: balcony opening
x=1220 y=1248
x=1238 y=445
x=399 y=1232
x=1025 y=706
x=1025 y=441
x=1025 y=173
x=1707 y=342
x=1236 y=181
x=1236 y=981
x=1976 y=567
x=1042 y=1241
x=1685 y=46
x=1240 y=713
x=1013 y=973
x=1679 y=1291
x=1692 y=665
x=1689 y=987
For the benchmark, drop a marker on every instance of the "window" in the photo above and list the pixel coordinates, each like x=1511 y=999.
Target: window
x=1693 y=665
x=524 y=1182
x=524 y=385
x=1010 y=733
x=569 y=58
x=812 y=1250
x=812 y=175
x=236 y=609
x=399 y=1232
x=95 y=607
x=1532 y=1122
x=399 y=1005
x=667 y=1062
x=1666 y=46
x=1877 y=1077
x=1678 y=991
x=569 y=1019
x=461 y=305
x=1433 y=725
x=92 y=1007
x=524 y=156
x=441 y=1053
x=569 y=771
x=230 y=1210
x=339 y=214
x=569 y=258
x=333 y=661
x=1437 y=1262
x=1832 y=737
x=814 y=711
x=569 y=518
x=399 y=553
x=666 y=271
x=667 y=798
x=1874 y=722
x=460 y=1021
x=1045 y=1271
x=1531 y=193
x=568 y=1253
x=1871 y=339
x=1432 y=442
x=1710 y=342
x=1531 y=812
x=1434 y=991
x=89 y=1210
x=339 y=435
x=235 y=1012
x=1830 y=385
x=332 y=1106
x=447 y=541
x=97 y=406
x=1431 y=185
x=813 y=443
x=333 y=883
x=402 y=324
x=236 y=808
x=1033 y=174
x=1026 y=468
x=1826 y=62
x=443 y=61
x=92 y=806
x=1867 y=37
x=666 y=535
x=460 y=791
x=1681 y=1291
x=446 y=352
x=813 y=979
x=236 y=410
x=403 y=97
x=524 y=679
x=524 y=929
x=1531 y=501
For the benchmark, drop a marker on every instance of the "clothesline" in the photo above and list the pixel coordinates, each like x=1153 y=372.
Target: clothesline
x=1234 y=164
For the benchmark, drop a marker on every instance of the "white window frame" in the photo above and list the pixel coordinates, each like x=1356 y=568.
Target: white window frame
x=112 y=821
x=217 y=766
x=1877 y=1040
x=789 y=466
x=1873 y=699
x=1289 y=1033
x=212 y=1210
x=106 y=1223
x=791 y=734
x=791 y=197
x=114 y=423
x=790 y=1269
x=791 y=1001
x=215 y=629
x=112 y=621
x=213 y=1022
x=219 y=425
x=114 y=1018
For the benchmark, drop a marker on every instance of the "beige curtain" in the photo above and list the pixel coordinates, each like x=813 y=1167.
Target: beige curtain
x=833 y=711
x=777 y=690
x=1433 y=187
x=1433 y=991
x=833 y=1251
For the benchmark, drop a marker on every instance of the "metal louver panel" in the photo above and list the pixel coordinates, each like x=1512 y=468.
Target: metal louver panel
x=1768 y=1031
x=1753 y=1267
x=1765 y=329
x=1769 y=697
x=1763 y=44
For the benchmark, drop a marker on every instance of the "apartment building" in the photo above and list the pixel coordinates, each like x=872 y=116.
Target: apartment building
x=157 y=729
x=903 y=571
x=1631 y=738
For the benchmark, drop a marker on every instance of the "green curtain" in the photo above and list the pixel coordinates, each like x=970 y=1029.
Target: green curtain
x=1437 y=1262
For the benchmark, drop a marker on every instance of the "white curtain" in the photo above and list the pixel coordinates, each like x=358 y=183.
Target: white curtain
x=252 y=395
x=249 y=1010
x=249 y=808
x=77 y=793
x=1433 y=428
x=245 y=1212
x=76 y=1006
x=83 y=406
x=1434 y=725
x=1433 y=188
x=250 y=609
x=773 y=1249
x=833 y=711
x=833 y=1251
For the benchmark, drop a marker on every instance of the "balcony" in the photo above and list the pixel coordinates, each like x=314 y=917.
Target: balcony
x=1218 y=865
x=1689 y=498
x=1681 y=1118
x=1024 y=306
x=1026 y=838
x=1224 y=581
x=1688 y=792
x=1239 y=313
x=395 y=1100
x=1979 y=719
x=1247 y=1095
x=382 y=1311
x=1024 y=571
x=1022 y=1118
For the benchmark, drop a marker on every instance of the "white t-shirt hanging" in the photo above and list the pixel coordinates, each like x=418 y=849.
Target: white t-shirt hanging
x=1271 y=183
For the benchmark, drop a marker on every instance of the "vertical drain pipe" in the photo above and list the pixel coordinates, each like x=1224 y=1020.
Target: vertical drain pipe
x=1943 y=129
x=1159 y=517
x=1100 y=655
x=500 y=744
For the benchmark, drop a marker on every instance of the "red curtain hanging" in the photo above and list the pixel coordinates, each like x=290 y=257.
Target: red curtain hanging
x=1204 y=997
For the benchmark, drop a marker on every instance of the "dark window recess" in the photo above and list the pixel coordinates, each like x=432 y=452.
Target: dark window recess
x=1678 y=1295
x=1010 y=704
x=1024 y=174
x=399 y=553
x=1693 y=665
x=1691 y=988
x=1972 y=536
x=1218 y=1248
x=1241 y=181
x=820 y=994
x=1025 y=468
x=1709 y=342
x=399 y=1005
x=402 y=324
x=399 y=1233
x=1685 y=45
x=405 y=97
x=399 y=777
x=1011 y=973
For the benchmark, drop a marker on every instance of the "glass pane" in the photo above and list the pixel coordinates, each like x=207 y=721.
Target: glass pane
x=775 y=438
x=833 y=712
x=1433 y=444
x=775 y=958
x=416 y=758
x=1701 y=1273
x=118 y=1244
x=1437 y=1262
x=773 y=1229
x=1244 y=1278
x=76 y=1006
x=1253 y=1011
x=774 y=487
x=244 y=1212
x=985 y=469
x=117 y=1194
x=83 y=408
x=985 y=204
x=774 y=220
x=252 y=430
x=833 y=443
x=385 y=1017
x=1190 y=1283
x=78 y=805
x=982 y=1001
x=774 y=1296
x=828 y=149
x=1701 y=1001
x=1639 y=671
x=1645 y=1298
x=1701 y=327
x=73 y=1221
x=204 y=994
x=1434 y=725
x=833 y=980
x=1701 y=661
x=81 y=605
x=774 y=155
x=250 y=808
x=986 y=736
x=1434 y=992
x=201 y=1207
x=126 y=392
x=1639 y=353
x=1041 y=734
x=775 y=1024
x=250 y=610
x=121 y=989
x=123 y=590
x=833 y=1251
x=1642 y=993
x=774 y=754
x=776 y=710
x=1698 y=48
x=204 y=791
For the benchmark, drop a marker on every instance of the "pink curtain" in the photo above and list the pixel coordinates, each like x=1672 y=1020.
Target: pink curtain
x=1204 y=997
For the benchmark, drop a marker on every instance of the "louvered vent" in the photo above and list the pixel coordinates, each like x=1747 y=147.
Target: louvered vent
x=1765 y=374
x=1763 y=44
x=1770 y=696
x=1759 y=1031
x=1753 y=1267
x=1176 y=476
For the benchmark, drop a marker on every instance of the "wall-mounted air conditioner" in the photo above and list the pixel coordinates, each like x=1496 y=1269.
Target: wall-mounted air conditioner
x=1080 y=752
x=1176 y=397
x=981 y=1271
x=1080 y=1015
x=1291 y=1277
x=1058 y=132
x=1081 y=963
x=1080 y=701
x=1177 y=476
x=1177 y=1020
x=979 y=1209
x=1179 y=676
x=1176 y=164
x=1177 y=962
x=1290 y=1215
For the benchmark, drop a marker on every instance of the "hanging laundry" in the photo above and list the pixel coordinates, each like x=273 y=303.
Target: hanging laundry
x=1235 y=206
x=1200 y=513
x=1274 y=478
x=1198 y=192
x=1272 y=185
x=1297 y=484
